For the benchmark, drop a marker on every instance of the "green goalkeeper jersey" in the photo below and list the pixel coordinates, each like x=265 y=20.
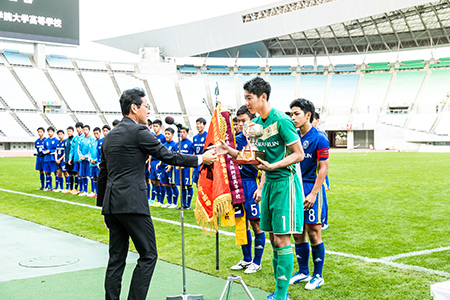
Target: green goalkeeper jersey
x=279 y=133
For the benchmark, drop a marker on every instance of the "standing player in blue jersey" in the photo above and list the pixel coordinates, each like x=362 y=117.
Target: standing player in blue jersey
x=186 y=173
x=198 y=142
x=39 y=146
x=167 y=173
x=84 y=153
x=314 y=170
x=315 y=123
x=250 y=177
x=49 y=159
x=158 y=191
x=93 y=166
x=74 y=160
x=60 y=164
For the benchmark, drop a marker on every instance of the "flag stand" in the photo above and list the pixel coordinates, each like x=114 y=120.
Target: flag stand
x=228 y=285
x=184 y=296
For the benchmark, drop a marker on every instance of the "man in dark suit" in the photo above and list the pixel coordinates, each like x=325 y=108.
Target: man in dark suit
x=122 y=193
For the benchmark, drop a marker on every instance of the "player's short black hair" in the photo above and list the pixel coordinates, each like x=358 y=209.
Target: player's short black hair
x=79 y=124
x=70 y=128
x=235 y=120
x=129 y=97
x=51 y=128
x=60 y=130
x=201 y=120
x=316 y=115
x=97 y=129
x=41 y=128
x=115 y=122
x=106 y=127
x=258 y=86
x=305 y=105
x=185 y=128
x=149 y=122
x=244 y=110
x=169 y=129
x=87 y=126
x=157 y=121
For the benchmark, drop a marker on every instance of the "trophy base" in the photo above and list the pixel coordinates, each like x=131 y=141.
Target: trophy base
x=247 y=157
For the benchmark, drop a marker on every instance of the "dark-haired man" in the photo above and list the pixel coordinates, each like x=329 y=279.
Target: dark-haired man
x=39 y=146
x=115 y=123
x=123 y=196
x=198 y=142
x=314 y=170
x=282 y=197
x=158 y=191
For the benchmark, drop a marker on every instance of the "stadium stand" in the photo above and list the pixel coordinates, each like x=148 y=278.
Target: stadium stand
x=279 y=70
x=10 y=127
x=91 y=65
x=377 y=66
x=164 y=92
x=60 y=120
x=248 y=70
x=111 y=117
x=343 y=68
x=227 y=90
x=313 y=87
x=102 y=88
x=37 y=85
x=405 y=88
x=93 y=120
x=283 y=91
x=373 y=92
x=122 y=67
x=193 y=91
x=216 y=70
x=126 y=81
x=16 y=58
x=72 y=90
x=310 y=69
x=187 y=69
x=444 y=124
x=59 y=62
x=342 y=93
x=32 y=121
x=443 y=62
x=12 y=92
x=411 y=65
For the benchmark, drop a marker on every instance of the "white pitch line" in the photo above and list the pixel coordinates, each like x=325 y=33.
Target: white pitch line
x=416 y=253
x=384 y=260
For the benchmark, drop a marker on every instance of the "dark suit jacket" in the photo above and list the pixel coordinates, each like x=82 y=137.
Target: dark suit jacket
x=121 y=181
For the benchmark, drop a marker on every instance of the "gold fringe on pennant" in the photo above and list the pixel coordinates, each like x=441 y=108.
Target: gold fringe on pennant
x=222 y=205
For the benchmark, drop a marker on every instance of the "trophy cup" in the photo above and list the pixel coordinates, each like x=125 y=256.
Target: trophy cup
x=248 y=155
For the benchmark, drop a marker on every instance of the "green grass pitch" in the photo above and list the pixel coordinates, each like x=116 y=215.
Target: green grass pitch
x=381 y=205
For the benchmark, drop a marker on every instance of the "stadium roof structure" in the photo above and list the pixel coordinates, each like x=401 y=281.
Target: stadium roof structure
x=305 y=27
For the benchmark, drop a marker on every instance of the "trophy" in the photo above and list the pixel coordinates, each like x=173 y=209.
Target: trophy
x=248 y=155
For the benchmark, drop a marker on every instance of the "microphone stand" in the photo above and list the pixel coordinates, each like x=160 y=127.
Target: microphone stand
x=184 y=296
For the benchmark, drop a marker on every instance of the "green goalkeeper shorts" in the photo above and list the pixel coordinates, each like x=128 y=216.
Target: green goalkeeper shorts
x=282 y=206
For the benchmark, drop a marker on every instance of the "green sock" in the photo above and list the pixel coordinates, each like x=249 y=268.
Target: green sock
x=284 y=271
x=275 y=261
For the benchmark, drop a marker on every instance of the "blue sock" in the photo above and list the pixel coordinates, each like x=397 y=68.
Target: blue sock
x=247 y=249
x=86 y=183
x=190 y=193
x=260 y=241
x=51 y=181
x=162 y=193
x=302 y=253
x=61 y=182
x=183 y=197
x=157 y=190
x=318 y=254
x=148 y=191
x=175 y=194
x=95 y=186
x=42 y=178
x=47 y=181
x=67 y=182
x=169 y=194
x=56 y=182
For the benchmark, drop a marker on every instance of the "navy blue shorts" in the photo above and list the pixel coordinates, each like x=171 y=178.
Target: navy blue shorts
x=314 y=215
x=61 y=166
x=251 y=207
x=76 y=166
x=94 y=171
x=50 y=166
x=186 y=176
x=39 y=163
x=84 y=170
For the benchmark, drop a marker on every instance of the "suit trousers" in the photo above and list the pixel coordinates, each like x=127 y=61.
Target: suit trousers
x=140 y=228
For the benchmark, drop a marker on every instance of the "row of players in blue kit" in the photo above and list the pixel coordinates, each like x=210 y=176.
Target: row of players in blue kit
x=75 y=159
x=164 y=178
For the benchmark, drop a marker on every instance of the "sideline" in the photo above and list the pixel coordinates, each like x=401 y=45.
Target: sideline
x=385 y=260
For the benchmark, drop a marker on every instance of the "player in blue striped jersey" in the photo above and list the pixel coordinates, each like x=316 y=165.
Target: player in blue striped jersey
x=39 y=146
x=314 y=169
x=167 y=172
x=49 y=158
x=186 y=173
x=60 y=164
